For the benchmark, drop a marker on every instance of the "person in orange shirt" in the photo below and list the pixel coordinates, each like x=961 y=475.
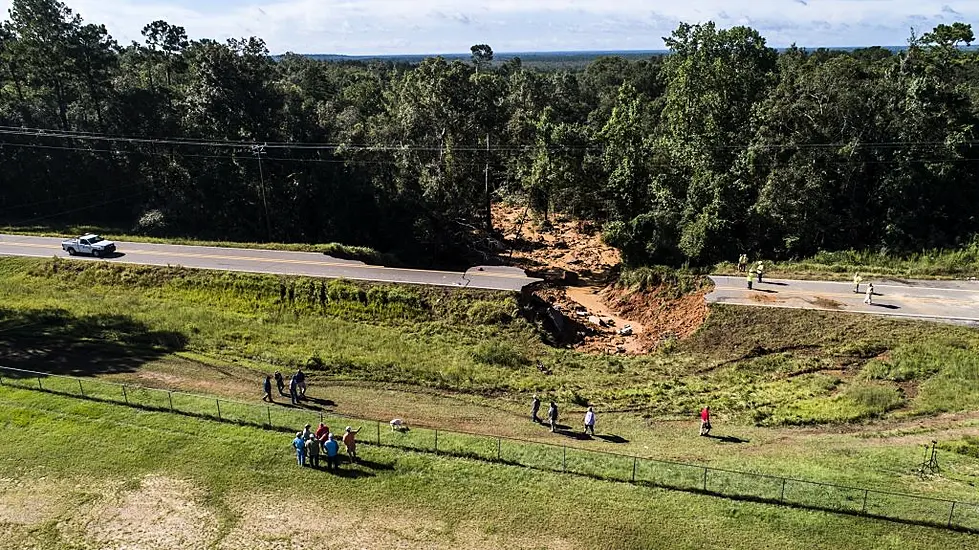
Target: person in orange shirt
x=350 y=442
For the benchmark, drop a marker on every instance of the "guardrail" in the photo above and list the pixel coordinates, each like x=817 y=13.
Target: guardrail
x=739 y=485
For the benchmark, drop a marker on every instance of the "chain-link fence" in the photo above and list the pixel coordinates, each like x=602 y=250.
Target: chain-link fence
x=543 y=456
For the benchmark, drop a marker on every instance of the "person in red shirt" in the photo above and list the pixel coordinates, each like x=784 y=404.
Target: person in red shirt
x=705 y=421
x=321 y=432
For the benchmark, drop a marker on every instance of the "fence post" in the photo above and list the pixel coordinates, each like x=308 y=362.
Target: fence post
x=378 y=433
x=436 y=441
x=781 y=497
x=321 y=417
x=499 y=446
x=865 y=493
x=124 y=396
x=218 y=403
x=951 y=513
x=39 y=386
x=1 y=381
x=170 y=398
x=564 y=459
x=81 y=391
x=269 y=411
x=635 y=462
x=705 y=479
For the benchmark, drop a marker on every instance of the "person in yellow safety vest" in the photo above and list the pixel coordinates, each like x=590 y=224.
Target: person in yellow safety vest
x=743 y=263
x=760 y=268
x=857 y=279
x=751 y=274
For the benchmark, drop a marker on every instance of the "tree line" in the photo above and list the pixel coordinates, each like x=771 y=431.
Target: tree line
x=724 y=145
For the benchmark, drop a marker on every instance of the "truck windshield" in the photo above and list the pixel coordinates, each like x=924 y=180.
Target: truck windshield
x=94 y=240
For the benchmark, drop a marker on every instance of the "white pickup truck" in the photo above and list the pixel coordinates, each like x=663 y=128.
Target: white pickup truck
x=89 y=244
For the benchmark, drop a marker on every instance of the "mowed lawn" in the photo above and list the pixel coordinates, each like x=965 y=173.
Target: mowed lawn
x=81 y=474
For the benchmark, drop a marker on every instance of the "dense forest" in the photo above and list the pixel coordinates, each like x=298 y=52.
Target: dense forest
x=723 y=145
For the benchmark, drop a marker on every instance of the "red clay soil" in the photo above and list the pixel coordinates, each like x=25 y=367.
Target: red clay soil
x=662 y=317
x=564 y=245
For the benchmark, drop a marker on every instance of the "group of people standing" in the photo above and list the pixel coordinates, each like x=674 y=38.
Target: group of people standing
x=552 y=415
x=311 y=445
x=297 y=386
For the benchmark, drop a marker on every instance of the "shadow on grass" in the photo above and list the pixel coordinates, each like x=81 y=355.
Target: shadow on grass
x=371 y=465
x=728 y=439
x=56 y=341
x=612 y=438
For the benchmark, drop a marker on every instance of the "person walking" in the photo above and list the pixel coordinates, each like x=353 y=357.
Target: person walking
x=750 y=276
x=300 y=447
x=301 y=383
x=552 y=415
x=294 y=390
x=590 y=421
x=534 y=409
x=332 y=453
x=857 y=279
x=759 y=269
x=869 y=300
x=279 y=382
x=313 y=451
x=350 y=442
x=742 y=263
x=267 y=389
x=705 y=421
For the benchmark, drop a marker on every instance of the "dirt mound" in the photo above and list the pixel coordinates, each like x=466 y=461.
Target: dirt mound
x=664 y=317
x=553 y=248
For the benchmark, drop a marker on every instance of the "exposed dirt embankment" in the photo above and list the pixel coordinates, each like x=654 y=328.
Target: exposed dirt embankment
x=581 y=273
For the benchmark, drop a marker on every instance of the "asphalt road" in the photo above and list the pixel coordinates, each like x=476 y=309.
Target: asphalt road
x=308 y=264
x=954 y=301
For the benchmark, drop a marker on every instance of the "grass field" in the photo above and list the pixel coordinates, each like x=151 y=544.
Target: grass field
x=85 y=475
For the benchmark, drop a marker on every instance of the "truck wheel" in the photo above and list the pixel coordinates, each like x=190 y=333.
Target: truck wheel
x=71 y=251
x=98 y=253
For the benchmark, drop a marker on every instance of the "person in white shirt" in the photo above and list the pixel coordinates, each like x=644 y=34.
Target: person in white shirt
x=590 y=421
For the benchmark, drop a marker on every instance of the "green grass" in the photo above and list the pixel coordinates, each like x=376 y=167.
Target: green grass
x=765 y=366
x=955 y=263
x=117 y=455
x=336 y=250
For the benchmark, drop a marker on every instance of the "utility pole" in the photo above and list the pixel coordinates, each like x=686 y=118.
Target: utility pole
x=258 y=150
x=486 y=190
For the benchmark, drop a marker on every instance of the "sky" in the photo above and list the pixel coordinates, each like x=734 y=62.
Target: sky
x=368 y=27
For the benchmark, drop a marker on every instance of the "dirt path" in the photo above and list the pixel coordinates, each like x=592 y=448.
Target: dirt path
x=592 y=300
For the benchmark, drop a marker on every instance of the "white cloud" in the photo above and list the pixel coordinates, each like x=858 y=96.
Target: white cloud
x=423 y=26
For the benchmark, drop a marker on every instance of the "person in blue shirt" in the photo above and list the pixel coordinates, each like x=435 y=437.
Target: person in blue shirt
x=332 y=453
x=300 y=446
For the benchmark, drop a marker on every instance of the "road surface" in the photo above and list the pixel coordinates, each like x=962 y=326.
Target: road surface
x=954 y=301
x=308 y=264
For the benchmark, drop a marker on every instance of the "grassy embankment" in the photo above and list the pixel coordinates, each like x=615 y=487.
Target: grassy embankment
x=768 y=367
x=87 y=475
x=958 y=263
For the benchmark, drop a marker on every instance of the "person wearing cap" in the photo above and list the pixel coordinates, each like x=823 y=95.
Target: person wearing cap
x=300 y=447
x=313 y=451
x=307 y=431
x=350 y=442
x=332 y=453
